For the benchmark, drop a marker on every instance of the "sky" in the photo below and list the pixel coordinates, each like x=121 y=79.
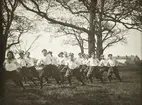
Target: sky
x=132 y=47
x=45 y=41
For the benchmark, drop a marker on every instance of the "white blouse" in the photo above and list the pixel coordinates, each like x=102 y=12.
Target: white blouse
x=85 y=62
x=112 y=62
x=103 y=63
x=22 y=62
x=29 y=62
x=54 y=61
x=72 y=64
x=93 y=62
x=65 y=61
x=79 y=61
x=60 y=61
x=45 y=60
x=11 y=65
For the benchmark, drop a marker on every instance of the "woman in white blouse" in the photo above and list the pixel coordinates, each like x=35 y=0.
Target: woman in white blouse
x=112 y=64
x=10 y=62
x=93 y=63
x=73 y=69
x=11 y=67
x=62 y=64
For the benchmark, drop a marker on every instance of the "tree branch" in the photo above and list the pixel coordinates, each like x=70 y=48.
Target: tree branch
x=44 y=15
x=112 y=42
x=18 y=41
x=33 y=43
x=64 y=5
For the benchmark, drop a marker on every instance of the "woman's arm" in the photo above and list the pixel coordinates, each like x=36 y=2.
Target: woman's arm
x=4 y=63
x=39 y=61
x=17 y=64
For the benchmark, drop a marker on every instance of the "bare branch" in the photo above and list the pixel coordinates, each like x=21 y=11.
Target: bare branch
x=33 y=43
x=18 y=41
x=44 y=15
x=112 y=42
x=66 y=6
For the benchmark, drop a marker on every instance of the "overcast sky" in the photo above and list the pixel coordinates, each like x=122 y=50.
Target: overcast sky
x=132 y=47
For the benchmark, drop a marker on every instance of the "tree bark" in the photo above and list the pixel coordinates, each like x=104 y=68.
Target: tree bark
x=91 y=36
x=91 y=44
x=82 y=50
x=99 y=38
x=2 y=56
x=99 y=35
x=99 y=45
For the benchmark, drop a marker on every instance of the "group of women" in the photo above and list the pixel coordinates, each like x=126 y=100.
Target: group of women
x=65 y=66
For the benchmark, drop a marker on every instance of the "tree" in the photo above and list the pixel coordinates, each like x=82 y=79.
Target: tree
x=14 y=26
x=7 y=8
x=73 y=37
x=45 y=14
x=97 y=12
x=114 y=12
x=19 y=27
x=111 y=12
x=2 y=49
x=11 y=29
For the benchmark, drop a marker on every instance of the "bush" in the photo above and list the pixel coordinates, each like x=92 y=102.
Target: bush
x=138 y=63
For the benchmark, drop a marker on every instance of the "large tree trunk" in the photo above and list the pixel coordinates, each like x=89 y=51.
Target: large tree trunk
x=91 y=37
x=2 y=56
x=99 y=45
x=99 y=36
x=91 y=44
x=99 y=41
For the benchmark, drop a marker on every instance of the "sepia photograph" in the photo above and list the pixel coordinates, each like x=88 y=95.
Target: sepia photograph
x=70 y=52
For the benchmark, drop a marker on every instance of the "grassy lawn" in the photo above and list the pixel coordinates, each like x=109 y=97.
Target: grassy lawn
x=127 y=92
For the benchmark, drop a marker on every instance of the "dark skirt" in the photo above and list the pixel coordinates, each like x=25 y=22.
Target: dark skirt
x=14 y=75
x=50 y=71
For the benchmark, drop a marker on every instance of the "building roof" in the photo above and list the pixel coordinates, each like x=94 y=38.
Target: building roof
x=132 y=58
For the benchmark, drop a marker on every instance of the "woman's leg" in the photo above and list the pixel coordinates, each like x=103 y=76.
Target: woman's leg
x=90 y=74
x=116 y=72
x=78 y=75
x=68 y=75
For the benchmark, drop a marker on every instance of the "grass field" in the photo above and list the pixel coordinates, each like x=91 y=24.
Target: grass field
x=127 y=92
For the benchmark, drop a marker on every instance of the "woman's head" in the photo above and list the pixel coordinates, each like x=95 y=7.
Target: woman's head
x=61 y=54
x=50 y=53
x=71 y=56
x=21 y=54
x=44 y=52
x=10 y=55
x=65 y=54
x=27 y=54
x=110 y=56
x=80 y=55
x=102 y=56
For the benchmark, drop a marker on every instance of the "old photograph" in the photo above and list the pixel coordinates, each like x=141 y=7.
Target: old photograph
x=70 y=52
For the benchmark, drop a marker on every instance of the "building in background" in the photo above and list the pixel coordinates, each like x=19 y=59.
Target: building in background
x=128 y=60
